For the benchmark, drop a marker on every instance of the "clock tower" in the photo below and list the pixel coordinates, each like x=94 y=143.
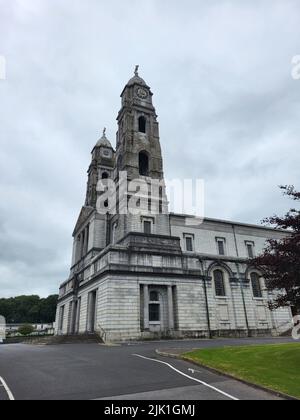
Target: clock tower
x=138 y=154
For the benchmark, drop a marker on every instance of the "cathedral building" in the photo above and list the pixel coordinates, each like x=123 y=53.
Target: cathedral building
x=150 y=274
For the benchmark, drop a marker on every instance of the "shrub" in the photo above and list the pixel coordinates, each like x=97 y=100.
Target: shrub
x=26 y=329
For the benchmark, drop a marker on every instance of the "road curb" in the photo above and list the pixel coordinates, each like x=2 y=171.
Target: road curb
x=227 y=375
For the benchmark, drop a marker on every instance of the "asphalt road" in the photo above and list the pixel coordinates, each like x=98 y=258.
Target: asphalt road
x=92 y=371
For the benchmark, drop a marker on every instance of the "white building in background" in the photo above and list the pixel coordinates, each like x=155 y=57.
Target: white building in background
x=12 y=329
x=2 y=329
x=143 y=276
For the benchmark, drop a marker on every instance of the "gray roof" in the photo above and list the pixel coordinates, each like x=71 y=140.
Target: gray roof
x=104 y=142
x=228 y=222
x=136 y=80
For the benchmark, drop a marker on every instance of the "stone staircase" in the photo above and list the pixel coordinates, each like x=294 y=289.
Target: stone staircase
x=75 y=339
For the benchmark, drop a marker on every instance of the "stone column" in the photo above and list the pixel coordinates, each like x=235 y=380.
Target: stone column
x=73 y=317
x=80 y=247
x=85 y=242
x=170 y=308
x=146 y=307
x=82 y=244
x=87 y=238
x=78 y=244
x=89 y=312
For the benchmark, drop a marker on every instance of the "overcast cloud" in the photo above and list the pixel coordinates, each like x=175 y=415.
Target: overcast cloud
x=228 y=110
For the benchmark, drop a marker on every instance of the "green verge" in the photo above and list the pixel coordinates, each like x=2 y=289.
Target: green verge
x=276 y=367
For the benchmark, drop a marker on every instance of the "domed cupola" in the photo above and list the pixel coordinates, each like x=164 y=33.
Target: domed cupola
x=103 y=141
x=102 y=166
x=136 y=79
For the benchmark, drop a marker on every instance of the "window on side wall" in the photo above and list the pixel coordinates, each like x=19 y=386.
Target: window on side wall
x=221 y=246
x=256 y=285
x=250 y=249
x=189 y=242
x=142 y=124
x=154 y=312
x=219 y=283
x=147 y=227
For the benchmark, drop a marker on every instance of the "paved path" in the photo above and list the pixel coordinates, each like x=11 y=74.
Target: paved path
x=135 y=371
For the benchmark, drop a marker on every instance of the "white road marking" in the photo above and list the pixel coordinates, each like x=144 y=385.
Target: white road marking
x=8 y=391
x=190 y=377
x=194 y=370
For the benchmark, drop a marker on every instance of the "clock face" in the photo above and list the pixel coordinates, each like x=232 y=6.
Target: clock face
x=142 y=93
x=106 y=153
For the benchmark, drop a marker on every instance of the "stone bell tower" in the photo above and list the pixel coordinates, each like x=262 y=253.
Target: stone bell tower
x=101 y=167
x=139 y=154
x=91 y=230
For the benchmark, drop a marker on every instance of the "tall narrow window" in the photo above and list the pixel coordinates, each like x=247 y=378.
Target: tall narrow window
x=147 y=227
x=189 y=244
x=221 y=246
x=142 y=125
x=250 y=249
x=143 y=164
x=256 y=286
x=219 y=283
x=160 y=200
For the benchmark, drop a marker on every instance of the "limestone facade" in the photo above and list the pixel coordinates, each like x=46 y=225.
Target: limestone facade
x=146 y=276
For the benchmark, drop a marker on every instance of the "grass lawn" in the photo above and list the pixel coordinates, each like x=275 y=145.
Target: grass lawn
x=274 y=366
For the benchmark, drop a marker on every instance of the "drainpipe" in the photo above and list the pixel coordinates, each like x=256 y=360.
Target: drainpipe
x=205 y=277
x=240 y=282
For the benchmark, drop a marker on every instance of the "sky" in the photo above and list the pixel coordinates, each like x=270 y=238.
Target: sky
x=227 y=104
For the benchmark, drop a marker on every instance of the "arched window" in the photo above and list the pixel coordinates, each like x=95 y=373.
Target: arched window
x=143 y=164
x=142 y=125
x=256 y=286
x=105 y=175
x=219 y=283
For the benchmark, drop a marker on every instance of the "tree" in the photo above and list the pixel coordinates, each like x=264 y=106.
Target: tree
x=26 y=329
x=29 y=309
x=280 y=261
x=48 y=308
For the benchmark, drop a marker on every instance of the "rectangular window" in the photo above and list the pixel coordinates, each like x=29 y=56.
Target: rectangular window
x=221 y=246
x=154 y=312
x=256 y=286
x=219 y=283
x=250 y=249
x=147 y=227
x=189 y=243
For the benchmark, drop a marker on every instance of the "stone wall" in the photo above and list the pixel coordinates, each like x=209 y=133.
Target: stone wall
x=119 y=272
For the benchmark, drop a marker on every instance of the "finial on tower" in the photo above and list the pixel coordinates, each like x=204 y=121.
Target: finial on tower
x=136 y=71
x=104 y=132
